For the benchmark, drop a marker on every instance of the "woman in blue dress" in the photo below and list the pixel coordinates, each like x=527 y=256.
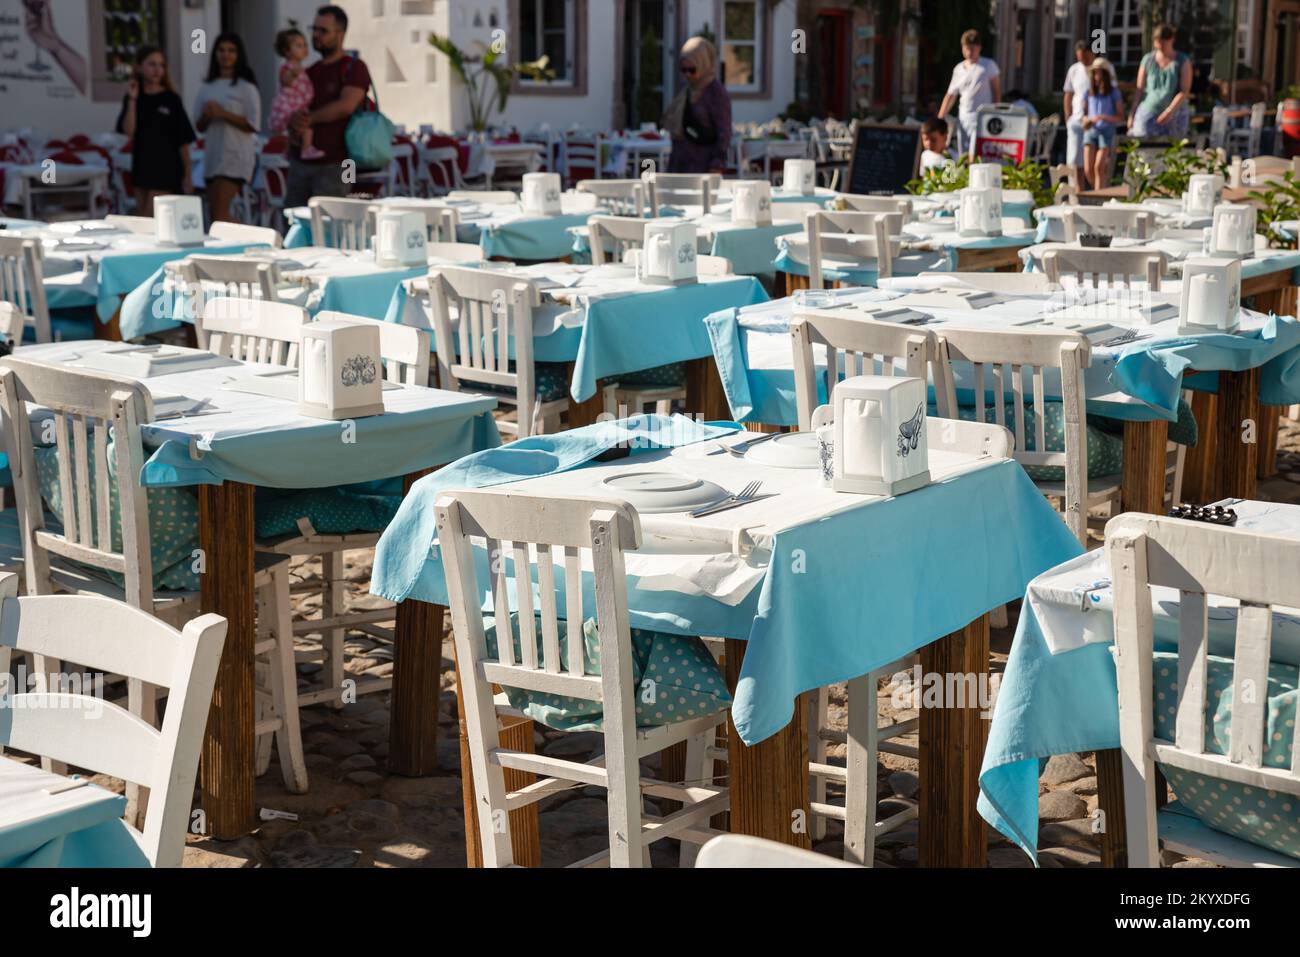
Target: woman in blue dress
x=1164 y=87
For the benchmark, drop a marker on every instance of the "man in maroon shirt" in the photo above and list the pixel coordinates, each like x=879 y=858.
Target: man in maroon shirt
x=340 y=82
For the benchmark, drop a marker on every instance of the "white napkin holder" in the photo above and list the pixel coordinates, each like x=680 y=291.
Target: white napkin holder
x=178 y=220
x=985 y=176
x=541 y=194
x=401 y=239
x=1232 y=233
x=668 y=253
x=751 y=203
x=979 y=212
x=880 y=444
x=1211 y=296
x=799 y=176
x=1204 y=191
x=340 y=371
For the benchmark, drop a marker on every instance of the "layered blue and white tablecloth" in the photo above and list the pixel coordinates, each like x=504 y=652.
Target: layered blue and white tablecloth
x=1059 y=693
x=1265 y=261
x=259 y=440
x=77 y=827
x=838 y=597
x=331 y=281
x=751 y=250
x=608 y=324
x=1138 y=381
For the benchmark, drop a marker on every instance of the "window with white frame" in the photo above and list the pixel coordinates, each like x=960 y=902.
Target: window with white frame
x=742 y=45
x=1124 y=44
x=549 y=28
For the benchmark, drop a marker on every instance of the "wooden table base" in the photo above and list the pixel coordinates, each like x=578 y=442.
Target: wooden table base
x=705 y=396
x=227 y=766
x=1142 y=484
x=952 y=739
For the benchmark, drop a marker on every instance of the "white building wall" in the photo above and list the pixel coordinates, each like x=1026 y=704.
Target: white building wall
x=781 y=22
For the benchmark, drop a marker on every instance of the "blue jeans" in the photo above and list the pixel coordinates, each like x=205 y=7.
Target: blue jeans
x=1102 y=136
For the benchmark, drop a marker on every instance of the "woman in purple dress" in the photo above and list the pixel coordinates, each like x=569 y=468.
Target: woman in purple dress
x=699 y=117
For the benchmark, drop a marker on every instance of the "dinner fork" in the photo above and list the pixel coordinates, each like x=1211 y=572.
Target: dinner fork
x=740 y=448
x=744 y=496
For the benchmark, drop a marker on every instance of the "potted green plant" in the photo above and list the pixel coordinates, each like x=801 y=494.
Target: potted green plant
x=487 y=77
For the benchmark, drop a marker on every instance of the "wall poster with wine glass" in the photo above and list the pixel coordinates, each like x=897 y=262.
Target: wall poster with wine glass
x=118 y=29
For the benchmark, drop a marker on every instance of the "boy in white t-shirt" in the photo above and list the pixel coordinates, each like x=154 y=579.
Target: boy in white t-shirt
x=934 y=143
x=1076 y=94
x=975 y=82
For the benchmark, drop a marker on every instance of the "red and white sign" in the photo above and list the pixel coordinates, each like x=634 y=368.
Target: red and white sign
x=1001 y=134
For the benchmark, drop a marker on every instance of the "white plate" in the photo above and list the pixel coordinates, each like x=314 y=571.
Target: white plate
x=794 y=450
x=656 y=492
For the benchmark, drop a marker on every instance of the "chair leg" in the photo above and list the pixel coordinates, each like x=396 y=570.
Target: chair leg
x=860 y=789
x=264 y=741
x=817 y=755
x=333 y=604
x=142 y=701
x=624 y=770
x=273 y=607
x=699 y=771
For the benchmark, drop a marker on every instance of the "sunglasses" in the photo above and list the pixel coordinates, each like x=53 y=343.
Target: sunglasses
x=688 y=70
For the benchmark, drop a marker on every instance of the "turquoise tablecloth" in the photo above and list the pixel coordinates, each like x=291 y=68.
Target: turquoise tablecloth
x=120 y=273
x=1151 y=371
x=915 y=568
x=622 y=334
x=751 y=250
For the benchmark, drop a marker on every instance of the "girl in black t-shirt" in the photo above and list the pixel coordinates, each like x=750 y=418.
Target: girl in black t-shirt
x=154 y=117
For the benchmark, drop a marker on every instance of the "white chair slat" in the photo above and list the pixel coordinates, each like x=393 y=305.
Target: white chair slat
x=524 y=602
x=546 y=600
x=1250 y=685
x=1193 y=645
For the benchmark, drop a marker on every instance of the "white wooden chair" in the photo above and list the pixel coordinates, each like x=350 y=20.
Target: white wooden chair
x=1218 y=128
x=241 y=233
x=1114 y=221
x=683 y=189
x=851 y=240
x=404 y=357
x=251 y=330
x=740 y=851
x=1043 y=137
x=621 y=233
x=85 y=406
x=536 y=531
x=442 y=221
x=706 y=265
x=455 y=253
x=619 y=197
x=142 y=225
x=491 y=309
x=582 y=154
x=110 y=636
x=22 y=282
x=877 y=204
x=1199 y=560
x=1114 y=267
x=1064 y=180
x=339 y=222
x=487 y=197
x=12 y=323
x=855 y=346
x=1244 y=142
x=1031 y=283
x=233 y=277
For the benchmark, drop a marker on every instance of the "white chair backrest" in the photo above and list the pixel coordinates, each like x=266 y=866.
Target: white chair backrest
x=557 y=531
x=339 y=222
x=403 y=350
x=713 y=266
x=582 y=152
x=440 y=167
x=860 y=346
x=144 y=225
x=1065 y=183
x=455 y=253
x=1112 y=266
x=1218 y=128
x=619 y=197
x=683 y=189
x=877 y=204
x=442 y=221
x=1198 y=560
x=491 y=310
x=84 y=405
x=612 y=236
x=488 y=197
x=12 y=322
x=240 y=233
x=1110 y=221
x=207 y=277
x=742 y=851
x=107 y=636
x=1044 y=137
x=1018 y=282
x=22 y=281
x=253 y=330
x=1029 y=354
x=856 y=240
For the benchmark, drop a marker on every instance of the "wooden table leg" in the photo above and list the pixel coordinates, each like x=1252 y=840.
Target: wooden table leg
x=585 y=413
x=226 y=588
x=111 y=330
x=704 y=393
x=952 y=739
x=769 y=781
x=793 y=282
x=1110 y=802
x=1199 y=468
x=1270 y=420
x=1238 y=430
x=1142 y=484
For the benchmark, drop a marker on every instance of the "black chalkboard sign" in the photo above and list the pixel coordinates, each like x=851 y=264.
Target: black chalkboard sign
x=884 y=158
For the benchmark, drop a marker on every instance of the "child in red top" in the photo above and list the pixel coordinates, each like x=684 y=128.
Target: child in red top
x=296 y=89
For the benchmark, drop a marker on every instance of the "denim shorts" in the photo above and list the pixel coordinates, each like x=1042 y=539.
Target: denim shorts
x=1103 y=138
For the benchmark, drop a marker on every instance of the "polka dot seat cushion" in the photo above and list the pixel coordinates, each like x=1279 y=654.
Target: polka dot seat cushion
x=1268 y=818
x=331 y=511
x=672 y=374
x=552 y=382
x=675 y=678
